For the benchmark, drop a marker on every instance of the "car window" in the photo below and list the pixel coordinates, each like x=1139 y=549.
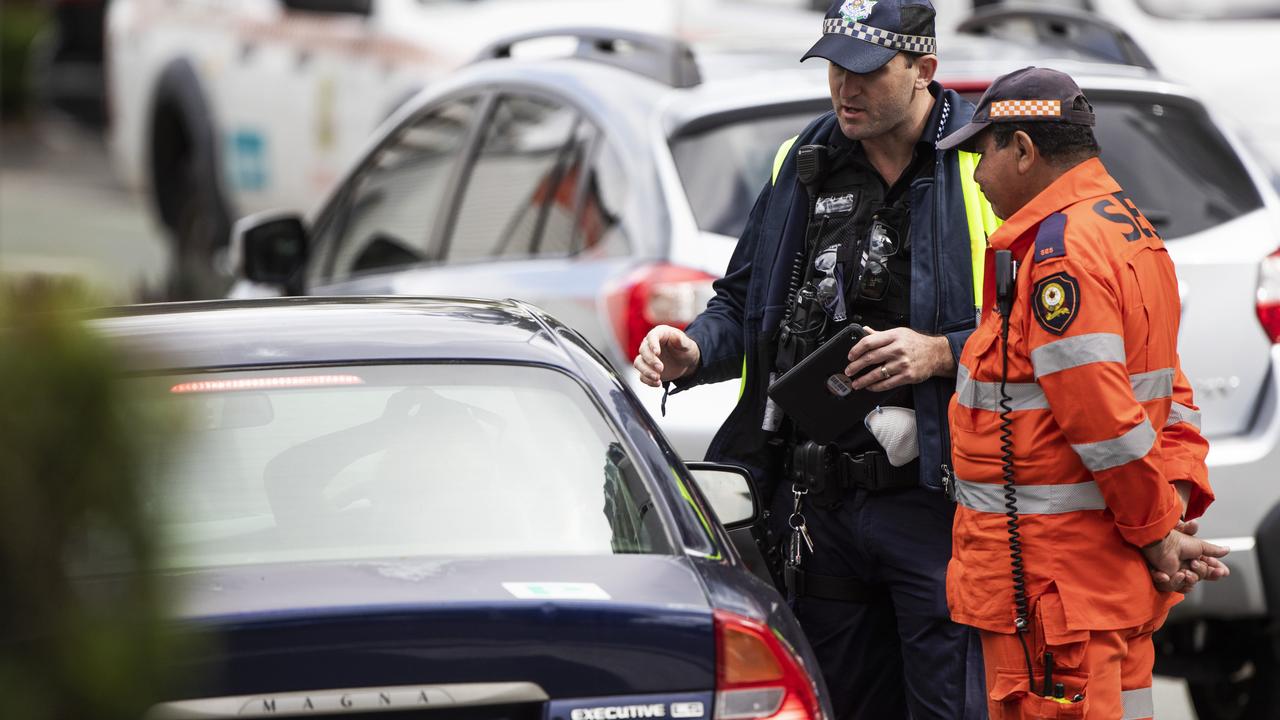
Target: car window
x=601 y=231
x=550 y=223
x=1173 y=162
x=723 y=167
x=386 y=215
x=431 y=460
x=524 y=181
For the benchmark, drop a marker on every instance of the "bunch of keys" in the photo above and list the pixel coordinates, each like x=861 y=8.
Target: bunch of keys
x=799 y=530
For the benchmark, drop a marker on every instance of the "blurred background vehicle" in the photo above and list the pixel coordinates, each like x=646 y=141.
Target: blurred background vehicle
x=610 y=189
x=1216 y=48
x=386 y=504
x=220 y=109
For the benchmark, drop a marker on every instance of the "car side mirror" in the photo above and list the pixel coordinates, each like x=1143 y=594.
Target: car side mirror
x=730 y=491
x=270 y=247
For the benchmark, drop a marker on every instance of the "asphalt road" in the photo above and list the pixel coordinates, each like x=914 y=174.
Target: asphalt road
x=63 y=213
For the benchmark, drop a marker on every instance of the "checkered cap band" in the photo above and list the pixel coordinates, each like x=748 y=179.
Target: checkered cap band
x=1026 y=108
x=906 y=43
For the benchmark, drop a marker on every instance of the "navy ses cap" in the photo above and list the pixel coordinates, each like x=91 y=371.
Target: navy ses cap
x=1031 y=94
x=862 y=35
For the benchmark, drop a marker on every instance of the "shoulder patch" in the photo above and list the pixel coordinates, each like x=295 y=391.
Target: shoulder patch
x=1051 y=239
x=1056 y=302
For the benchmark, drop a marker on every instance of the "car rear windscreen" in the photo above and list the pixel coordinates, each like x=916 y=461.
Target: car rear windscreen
x=1170 y=158
x=1164 y=151
x=723 y=165
x=357 y=462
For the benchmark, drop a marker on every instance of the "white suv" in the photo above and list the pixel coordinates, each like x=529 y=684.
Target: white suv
x=220 y=108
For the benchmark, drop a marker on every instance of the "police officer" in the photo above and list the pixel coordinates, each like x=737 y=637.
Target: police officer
x=863 y=221
x=1077 y=447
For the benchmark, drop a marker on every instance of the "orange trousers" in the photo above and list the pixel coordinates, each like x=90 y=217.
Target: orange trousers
x=1106 y=674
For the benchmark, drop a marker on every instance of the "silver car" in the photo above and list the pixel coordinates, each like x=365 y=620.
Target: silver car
x=609 y=188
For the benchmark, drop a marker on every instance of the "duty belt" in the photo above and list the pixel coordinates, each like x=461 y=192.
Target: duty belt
x=828 y=472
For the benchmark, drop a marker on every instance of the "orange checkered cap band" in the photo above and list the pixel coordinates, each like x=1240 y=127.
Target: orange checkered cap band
x=1026 y=108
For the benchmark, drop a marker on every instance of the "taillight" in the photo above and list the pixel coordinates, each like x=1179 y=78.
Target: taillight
x=757 y=676
x=659 y=294
x=1269 y=295
x=970 y=88
x=265 y=383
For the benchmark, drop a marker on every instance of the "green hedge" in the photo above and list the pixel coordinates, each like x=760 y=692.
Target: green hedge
x=74 y=450
x=20 y=24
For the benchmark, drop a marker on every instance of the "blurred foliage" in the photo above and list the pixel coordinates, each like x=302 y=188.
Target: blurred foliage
x=77 y=639
x=21 y=22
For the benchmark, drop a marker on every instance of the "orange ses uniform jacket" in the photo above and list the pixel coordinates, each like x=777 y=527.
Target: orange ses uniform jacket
x=1102 y=416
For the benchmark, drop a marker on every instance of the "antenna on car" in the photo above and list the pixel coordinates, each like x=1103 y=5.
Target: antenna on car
x=667 y=60
x=1075 y=30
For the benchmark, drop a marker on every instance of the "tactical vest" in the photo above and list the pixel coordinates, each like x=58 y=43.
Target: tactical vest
x=979 y=217
x=870 y=268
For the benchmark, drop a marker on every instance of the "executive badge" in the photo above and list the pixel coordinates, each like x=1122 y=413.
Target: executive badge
x=1056 y=302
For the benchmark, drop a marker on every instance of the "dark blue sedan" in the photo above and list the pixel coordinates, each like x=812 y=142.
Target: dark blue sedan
x=445 y=508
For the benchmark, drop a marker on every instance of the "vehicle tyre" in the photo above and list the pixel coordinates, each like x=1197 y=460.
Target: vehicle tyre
x=1250 y=693
x=186 y=189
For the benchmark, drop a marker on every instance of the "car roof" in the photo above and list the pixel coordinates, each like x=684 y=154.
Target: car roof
x=318 y=330
x=736 y=78
x=967 y=63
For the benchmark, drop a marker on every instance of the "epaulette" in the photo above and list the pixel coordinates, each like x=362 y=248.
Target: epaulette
x=1051 y=238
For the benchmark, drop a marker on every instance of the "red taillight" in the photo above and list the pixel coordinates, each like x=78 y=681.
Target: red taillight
x=265 y=383
x=658 y=294
x=1269 y=295
x=973 y=88
x=758 y=676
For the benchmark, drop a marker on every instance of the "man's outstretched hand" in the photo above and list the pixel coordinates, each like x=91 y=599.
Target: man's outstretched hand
x=666 y=353
x=1181 y=560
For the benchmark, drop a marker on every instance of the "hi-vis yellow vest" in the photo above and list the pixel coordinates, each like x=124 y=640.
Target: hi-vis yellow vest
x=981 y=219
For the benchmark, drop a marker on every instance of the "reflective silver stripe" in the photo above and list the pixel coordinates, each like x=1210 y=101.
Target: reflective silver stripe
x=1138 y=704
x=1152 y=385
x=1181 y=413
x=1147 y=386
x=1128 y=447
x=986 y=395
x=1032 y=499
x=1076 y=351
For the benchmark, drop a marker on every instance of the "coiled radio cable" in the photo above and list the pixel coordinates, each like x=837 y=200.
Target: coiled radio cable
x=1005 y=283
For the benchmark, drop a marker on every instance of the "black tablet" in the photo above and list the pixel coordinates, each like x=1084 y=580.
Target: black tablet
x=816 y=394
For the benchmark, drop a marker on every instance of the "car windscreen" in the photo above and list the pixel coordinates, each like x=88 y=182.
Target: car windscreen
x=1172 y=161
x=340 y=463
x=724 y=161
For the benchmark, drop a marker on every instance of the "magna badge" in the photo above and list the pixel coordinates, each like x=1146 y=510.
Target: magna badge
x=1056 y=302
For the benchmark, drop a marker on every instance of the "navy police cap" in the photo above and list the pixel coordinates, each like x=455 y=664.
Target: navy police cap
x=862 y=35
